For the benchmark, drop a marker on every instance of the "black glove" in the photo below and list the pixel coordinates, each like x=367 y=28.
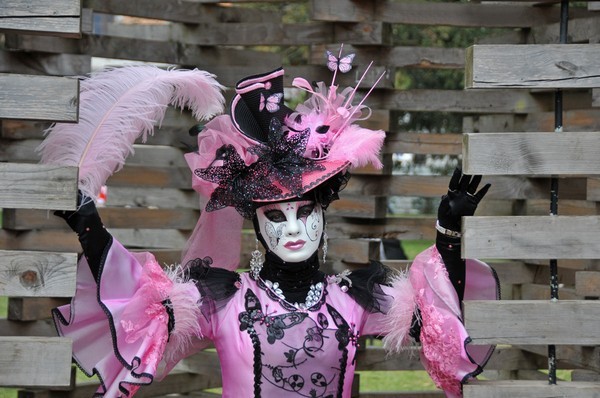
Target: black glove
x=86 y=222
x=461 y=200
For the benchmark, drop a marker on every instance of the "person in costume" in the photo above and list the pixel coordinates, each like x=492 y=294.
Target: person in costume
x=284 y=328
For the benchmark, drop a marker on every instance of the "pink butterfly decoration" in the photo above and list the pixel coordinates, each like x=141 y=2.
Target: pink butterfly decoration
x=343 y=64
x=271 y=103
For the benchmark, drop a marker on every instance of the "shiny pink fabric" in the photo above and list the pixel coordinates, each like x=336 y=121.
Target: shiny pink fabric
x=119 y=329
x=446 y=354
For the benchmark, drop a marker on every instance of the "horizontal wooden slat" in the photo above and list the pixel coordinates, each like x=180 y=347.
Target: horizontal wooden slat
x=144 y=50
x=400 y=56
x=39 y=97
x=393 y=227
x=533 y=66
x=588 y=283
x=503 y=187
x=192 y=12
x=112 y=217
x=35 y=361
x=533 y=322
x=573 y=120
x=27 y=309
x=530 y=389
x=531 y=153
x=522 y=237
x=40 y=328
x=445 y=13
x=44 y=64
x=39 y=274
x=26 y=186
x=59 y=17
x=420 y=143
x=475 y=101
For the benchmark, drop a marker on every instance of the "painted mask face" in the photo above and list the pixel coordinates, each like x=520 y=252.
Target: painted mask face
x=292 y=230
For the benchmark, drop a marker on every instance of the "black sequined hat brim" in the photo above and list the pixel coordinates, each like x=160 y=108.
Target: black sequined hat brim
x=315 y=179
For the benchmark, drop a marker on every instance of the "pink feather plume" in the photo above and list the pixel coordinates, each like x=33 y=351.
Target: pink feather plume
x=118 y=106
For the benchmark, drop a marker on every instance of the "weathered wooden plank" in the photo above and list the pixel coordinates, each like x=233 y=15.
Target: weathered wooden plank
x=420 y=143
x=150 y=238
x=167 y=198
x=145 y=50
x=174 y=383
x=39 y=274
x=393 y=227
x=533 y=66
x=35 y=361
x=35 y=186
x=64 y=240
x=367 y=207
x=530 y=388
x=522 y=237
x=191 y=12
x=65 y=26
x=532 y=291
x=353 y=250
x=148 y=176
x=248 y=33
x=503 y=187
x=39 y=97
x=42 y=328
x=44 y=64
x=113 y=217
x=573 y=120
x=400 y=56
x=533 y=321
x=43 y=16
x=569 y=356
x=531 y=153
x=588 y=283
x=478 y=101
x=26 y=309
x=449 y=14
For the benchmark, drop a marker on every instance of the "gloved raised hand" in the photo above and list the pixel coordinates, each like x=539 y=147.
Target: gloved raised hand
x=86 y=222
x=461 y=200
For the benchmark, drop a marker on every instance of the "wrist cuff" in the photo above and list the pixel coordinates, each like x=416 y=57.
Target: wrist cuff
x=446 y=231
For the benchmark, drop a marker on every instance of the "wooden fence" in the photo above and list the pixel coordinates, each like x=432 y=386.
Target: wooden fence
x=508 y=117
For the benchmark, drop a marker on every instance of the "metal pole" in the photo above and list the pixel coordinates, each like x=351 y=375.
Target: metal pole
x=558 y=127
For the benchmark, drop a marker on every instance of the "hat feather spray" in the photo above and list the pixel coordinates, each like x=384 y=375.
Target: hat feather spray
x=117 y=106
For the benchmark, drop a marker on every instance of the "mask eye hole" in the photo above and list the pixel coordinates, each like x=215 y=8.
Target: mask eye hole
x=322 y=129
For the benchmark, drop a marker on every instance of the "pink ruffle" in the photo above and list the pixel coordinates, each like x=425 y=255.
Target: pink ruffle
x=445 y=351
x=119 y=328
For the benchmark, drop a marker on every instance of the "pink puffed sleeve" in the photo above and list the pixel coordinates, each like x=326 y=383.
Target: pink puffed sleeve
x=445 y=350
x=133 y=317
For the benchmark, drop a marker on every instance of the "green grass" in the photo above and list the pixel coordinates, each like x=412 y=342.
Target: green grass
x=414 y=247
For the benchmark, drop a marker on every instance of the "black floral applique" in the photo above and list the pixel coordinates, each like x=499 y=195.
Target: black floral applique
x=296 y=354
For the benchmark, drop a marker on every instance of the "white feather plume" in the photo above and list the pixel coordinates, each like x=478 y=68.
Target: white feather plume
x=116 y=107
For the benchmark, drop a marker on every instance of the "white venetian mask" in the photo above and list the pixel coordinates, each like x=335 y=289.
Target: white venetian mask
x=291 y=230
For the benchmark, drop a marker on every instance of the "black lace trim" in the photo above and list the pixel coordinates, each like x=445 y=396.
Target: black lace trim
x=366 y=287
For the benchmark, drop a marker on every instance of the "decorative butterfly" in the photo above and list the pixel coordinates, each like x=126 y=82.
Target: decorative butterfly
x=271 y=103
x=343 y=64
x=274 y=235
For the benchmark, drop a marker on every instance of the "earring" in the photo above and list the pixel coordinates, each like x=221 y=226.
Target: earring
x=325 y=243
x=256 y=262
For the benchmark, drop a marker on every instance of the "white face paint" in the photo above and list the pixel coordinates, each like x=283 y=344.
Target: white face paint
x=292 y=230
